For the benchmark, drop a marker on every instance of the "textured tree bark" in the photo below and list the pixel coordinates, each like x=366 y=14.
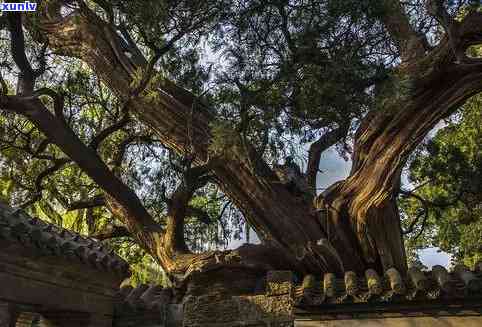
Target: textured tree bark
x=358 y=224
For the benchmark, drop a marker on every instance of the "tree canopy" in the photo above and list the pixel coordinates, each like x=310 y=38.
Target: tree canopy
x=168 y=127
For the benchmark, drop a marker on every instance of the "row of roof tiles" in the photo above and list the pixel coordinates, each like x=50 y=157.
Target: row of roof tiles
x=461 y=283
x=435 y=284
x=47 y=239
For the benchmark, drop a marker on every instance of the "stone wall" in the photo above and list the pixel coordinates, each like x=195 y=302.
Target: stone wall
x=154 y=306
x=272 y=309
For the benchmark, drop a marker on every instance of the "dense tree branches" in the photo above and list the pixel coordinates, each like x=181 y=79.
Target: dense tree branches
x=61 y=135
x=121 y=200
x=292 y=73
x=243 y=197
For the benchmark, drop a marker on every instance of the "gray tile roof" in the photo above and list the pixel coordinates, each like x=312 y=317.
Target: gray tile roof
x=42 y=238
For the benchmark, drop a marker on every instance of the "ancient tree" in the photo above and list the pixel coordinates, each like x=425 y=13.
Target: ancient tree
x=421 y=74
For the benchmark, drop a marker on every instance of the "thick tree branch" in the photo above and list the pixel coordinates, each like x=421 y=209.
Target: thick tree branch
x=460 y=35
x=469 y=33
x=384 y=141
x=437 y=9
x=3 y=85
x=410 y=44
x=178 y=208
x=26 y=79
x=317 y=148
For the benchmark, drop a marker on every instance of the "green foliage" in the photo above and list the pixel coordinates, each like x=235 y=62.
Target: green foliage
x=449 y=172
x=202 y=237
x=144 y=269
x=146 y=167
x=291 y=71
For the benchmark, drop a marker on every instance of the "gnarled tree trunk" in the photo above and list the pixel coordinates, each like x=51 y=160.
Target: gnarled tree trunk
x=363 y=214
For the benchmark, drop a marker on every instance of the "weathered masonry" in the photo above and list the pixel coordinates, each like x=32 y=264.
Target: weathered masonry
x=434 y=298
x=273 y=307
x=55 y=276
x=51 y=277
